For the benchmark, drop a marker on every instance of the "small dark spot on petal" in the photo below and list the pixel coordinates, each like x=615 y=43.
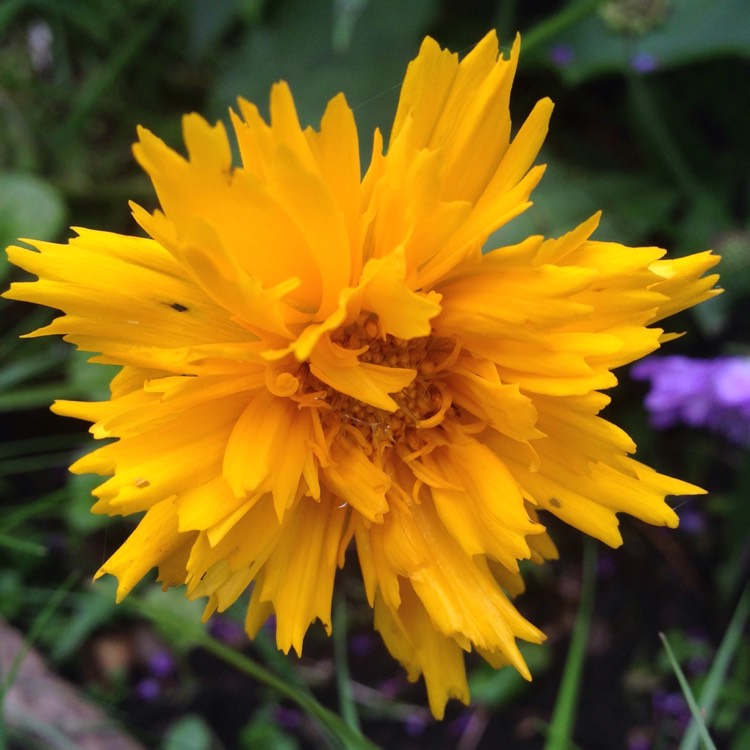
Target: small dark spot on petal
x=555 y=503
x=177 y=306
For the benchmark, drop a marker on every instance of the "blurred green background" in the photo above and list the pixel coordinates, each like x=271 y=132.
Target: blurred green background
x=650 y=125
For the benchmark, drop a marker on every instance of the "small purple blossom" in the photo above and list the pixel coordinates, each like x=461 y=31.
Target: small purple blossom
x=561 y=55
x=361 y=644
x=415 y=724
x=229 y=632
x=710 y=393
x=644 y=62
x=287 y=718
x=672 y=705
x=161 y=664
x=692 y=521
x=638 y=742
x=148 y=689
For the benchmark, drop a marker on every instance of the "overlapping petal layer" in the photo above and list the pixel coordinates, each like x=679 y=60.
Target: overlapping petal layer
x=311 y=361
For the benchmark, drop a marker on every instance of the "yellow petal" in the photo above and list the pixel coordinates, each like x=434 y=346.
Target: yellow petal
x=153 y=542
x=298 y=576
x=355 y=479
x=412 y=639
x=341 y=369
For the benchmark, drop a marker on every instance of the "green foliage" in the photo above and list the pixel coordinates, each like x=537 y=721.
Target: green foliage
x=262 y=732
x=29 y=206
x=599 y=47
x=188 y=733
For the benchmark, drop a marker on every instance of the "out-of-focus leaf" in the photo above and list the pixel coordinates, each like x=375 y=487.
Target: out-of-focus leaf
x=693 y=30
x=295 y=45
x=78 y=502
x=206 y=22
x=29 y=206
x=91 y=611
x=263 y=733
x=633 y=205
x=188 y=733
x=495 y=687
x=345 y=15
x=90 y=379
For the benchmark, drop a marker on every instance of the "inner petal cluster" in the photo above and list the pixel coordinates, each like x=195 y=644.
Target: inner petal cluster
x=423 y=404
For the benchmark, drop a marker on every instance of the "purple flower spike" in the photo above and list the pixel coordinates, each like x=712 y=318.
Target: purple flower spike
x=732 y=382
x=709 y=393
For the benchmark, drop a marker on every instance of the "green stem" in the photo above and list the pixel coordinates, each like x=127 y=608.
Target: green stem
x=661 y=138
x=343 y=678
x=548 y=29
x=563 y=717
x=350 y=738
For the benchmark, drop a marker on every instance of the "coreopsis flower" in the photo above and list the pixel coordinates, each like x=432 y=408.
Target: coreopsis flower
x=317 y=365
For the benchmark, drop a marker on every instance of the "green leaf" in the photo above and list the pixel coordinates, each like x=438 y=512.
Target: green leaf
x=297 y=45
x=188 y=733
x=633 y=205
x=207 y=22
x=718 y=672
x=262 y=733
x=689 y=697
x=497 y=687
x=29 y=207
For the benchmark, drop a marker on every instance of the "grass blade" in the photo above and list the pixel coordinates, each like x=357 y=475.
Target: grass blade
x=719 y=668
x=689 y=697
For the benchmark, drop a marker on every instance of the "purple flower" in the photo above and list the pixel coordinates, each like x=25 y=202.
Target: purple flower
x=287 y=718
x=672 y=705
x=732 y=382
x=644 y=62
x=415 y=724
x=561 y=55
x=638 y=742
x=361 y=644
x=161 y=664
x=710 y=393
x=229 y=632
x=148 y=689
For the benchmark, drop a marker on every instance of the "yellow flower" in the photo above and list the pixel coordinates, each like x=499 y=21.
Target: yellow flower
x=314 y=363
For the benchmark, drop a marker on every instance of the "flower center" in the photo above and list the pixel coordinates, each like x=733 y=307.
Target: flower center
x=422 y=405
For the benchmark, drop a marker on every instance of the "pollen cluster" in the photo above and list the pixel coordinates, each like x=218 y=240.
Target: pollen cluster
x=422 y=405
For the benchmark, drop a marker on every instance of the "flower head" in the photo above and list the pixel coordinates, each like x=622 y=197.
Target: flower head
x=314 y=362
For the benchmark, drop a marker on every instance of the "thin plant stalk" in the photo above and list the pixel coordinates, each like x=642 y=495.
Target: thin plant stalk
x=550 y=27
x=560 y=733
x=347 y=703
x=349 y=737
